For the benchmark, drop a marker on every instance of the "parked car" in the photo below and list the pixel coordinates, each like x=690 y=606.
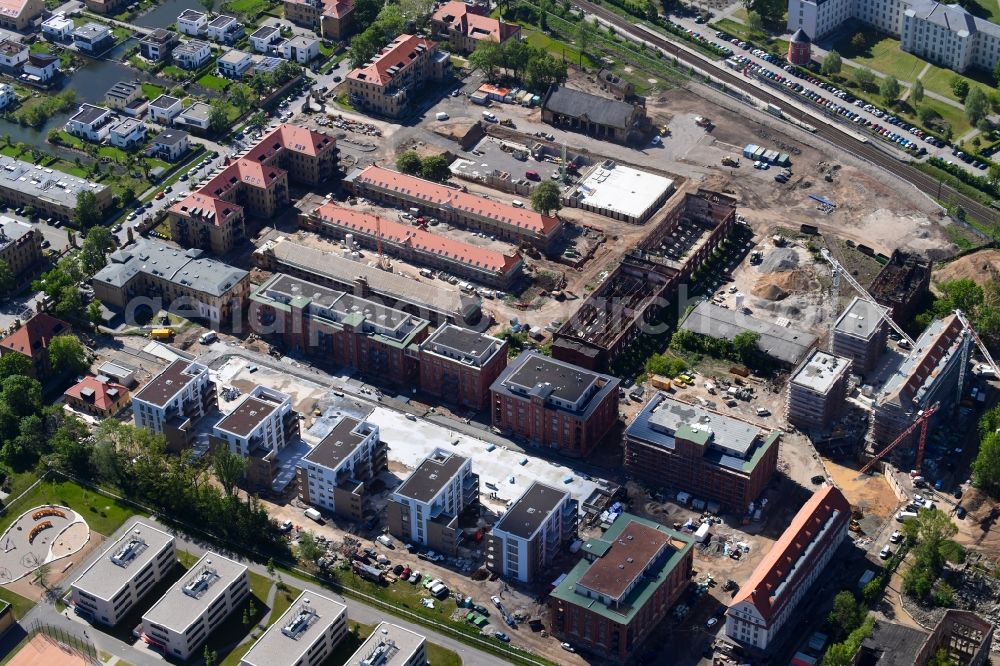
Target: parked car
x=885 y=552
x=496 y=601
x=415 y=577
x=567 y=647
x=501 y=636
x=896 y=537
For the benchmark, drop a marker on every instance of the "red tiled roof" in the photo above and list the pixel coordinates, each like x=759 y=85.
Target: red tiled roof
x=400 y=53
x=13 y=8
x=102 y=398
x=35 y=334
x=476 y=26
x=336 y=9
x=222 y=210
x=290 y=137
x=425 y=241
x=777 y=564
x=441 y=195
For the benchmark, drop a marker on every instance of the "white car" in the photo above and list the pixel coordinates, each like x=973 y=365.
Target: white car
x=896 y=537
x=496 y=601
x=885 y=552
x=567 y=647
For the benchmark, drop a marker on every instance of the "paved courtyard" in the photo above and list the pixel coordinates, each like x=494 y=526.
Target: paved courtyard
x=38 y=536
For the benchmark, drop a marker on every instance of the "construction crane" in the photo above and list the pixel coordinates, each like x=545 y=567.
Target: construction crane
x=383 y=261
x=979 y=343
x=842 y=272
x=922 y=419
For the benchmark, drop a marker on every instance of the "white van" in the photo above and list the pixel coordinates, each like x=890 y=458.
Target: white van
x=517 y=204
x=313 y=514
x=489 y=116
x=208 y=338
x=441 y=115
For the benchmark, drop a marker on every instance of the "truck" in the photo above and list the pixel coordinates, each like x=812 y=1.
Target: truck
x=702 y=534
x=385 y=540
x=161 y=334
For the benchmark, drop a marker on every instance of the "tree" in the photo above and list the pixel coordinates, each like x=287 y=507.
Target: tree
x=917 y=91
x=211 y=657
x=486 y=58
x=994 y=174
x=7 y=280
x=309 y=550
x=14 y=364
x=745 y=346
x=832 y=64
x=41 y=574
x=87 y=213
x=962 y=294
x=986 y=466
x=366 y=11
x=545 y=198
x=543 y=70
x=890 y=90
x=217 y=120
x=859 y=42
x=127 y=195
x=943 y=658
x=67 y=355
x=209 y=5
x=864 y=78
x=960 y=87
x=229 y=470
x=754 y=22
x=584 y=34
x=409 y=163
x=847 y=613
x=94 y=251
x=20 y=396
x=435 y=167
x=241 y=96
x=770 y=11
x=363 y=48
x=976 y=105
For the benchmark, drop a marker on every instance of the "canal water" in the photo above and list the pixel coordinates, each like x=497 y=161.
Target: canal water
x=89 y=82
x=166 y=13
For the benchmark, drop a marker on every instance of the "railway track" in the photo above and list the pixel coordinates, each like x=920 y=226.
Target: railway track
x=927 y=184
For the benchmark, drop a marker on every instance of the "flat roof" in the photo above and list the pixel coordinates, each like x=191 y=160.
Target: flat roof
x=567 y=382
x=861 y=318
x=821 y=371
x=296 y=631
x=250 y=413
x=164 y=386
x=44 y=183
x=191 y=596
x=463 y=342
x=338 y=444
x=783 y=343
x=675 y=550
x=625 y=561
x=623 y=189
x=531 y=510
x=434 y=473
x=394 y=645
x=12 y=230
x=123 y=560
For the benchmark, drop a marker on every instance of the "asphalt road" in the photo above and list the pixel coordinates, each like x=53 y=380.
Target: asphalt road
x=865 y=150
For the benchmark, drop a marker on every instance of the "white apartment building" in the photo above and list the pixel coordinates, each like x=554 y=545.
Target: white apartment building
x=194 y=606
x=305 y=635
x=57 y=27
x=424 y=509
x=391 y=645
x=302 y=50
x=334 y=474
x=116 y=581
x=7 y=95
x=943 y=34
x=536 y=527
x=192 y=54
x=257 y=424
x=180 y=389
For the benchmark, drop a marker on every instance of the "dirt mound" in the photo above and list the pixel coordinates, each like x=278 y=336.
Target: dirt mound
x=980 y=266
x=777 y=286
x=780 y=259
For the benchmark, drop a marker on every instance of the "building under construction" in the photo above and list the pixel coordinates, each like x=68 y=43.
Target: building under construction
x=632 y=298
x=817 y=391
x=932 y=373
x=902 y=284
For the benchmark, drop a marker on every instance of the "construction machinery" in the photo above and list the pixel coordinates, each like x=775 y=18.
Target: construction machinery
x=923 y=417
x=840 y=272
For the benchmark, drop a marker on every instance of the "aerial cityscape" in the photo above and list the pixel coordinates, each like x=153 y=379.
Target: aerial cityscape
x=412 y=332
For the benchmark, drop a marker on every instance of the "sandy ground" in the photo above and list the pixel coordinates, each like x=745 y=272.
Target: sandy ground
x=44 y=650
x=982 y=266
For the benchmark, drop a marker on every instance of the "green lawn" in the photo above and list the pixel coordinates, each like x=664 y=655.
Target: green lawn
x=987 y=9
x=440 y=656
x=738 y=30
x=282 y=601
x=558 y=49
x=174 y=72
x=104 y=515
x=884 y=56
x=152 y=91
x=245 y=7
x=213 y=82
x=19 y=605
x=939 y=80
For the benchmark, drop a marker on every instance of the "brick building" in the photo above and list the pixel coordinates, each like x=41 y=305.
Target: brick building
x=330 y=19
x=340 y=329
x=554 y=404
x=459 y=366
x=594 y=115
x=390 y=83
x=902 y=284
x=212 y=218
x=20 y=247
x=709 y=455
x=767 y=600
x=624 y=587
x=453 y=206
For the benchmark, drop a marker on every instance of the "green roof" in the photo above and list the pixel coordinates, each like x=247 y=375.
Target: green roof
x=642 y=592
x=596 y=547
x=772 y=440
x=696 y=435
